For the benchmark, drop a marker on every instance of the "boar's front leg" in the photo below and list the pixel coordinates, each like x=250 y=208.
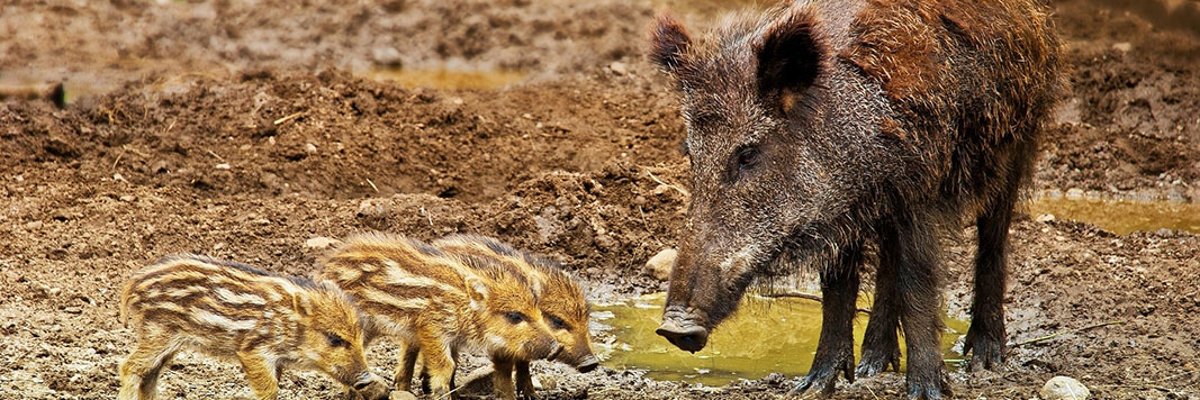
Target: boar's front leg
x=914 y=245
x=261 y=374
x=502 y=379
x=835 y=349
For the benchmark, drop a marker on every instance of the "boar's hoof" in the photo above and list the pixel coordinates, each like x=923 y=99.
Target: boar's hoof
x=929 y=390
x=875 y=361
x=986 y=353
x=824 y=378
x=688 y=338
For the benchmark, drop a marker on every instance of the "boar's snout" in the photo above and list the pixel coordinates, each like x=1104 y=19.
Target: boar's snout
x=371 y=387
x=682 y=330
x=588 y=364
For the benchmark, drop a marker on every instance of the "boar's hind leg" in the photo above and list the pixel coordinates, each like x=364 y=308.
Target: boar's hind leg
x=986 y=336
x=261 y=375
x=835 y=349
x=881 y=346
x=140 y=372
x=915 y=246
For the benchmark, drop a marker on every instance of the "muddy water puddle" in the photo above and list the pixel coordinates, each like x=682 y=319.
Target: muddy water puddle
x=448 y=78
x=1120 y=217
x=767 y=335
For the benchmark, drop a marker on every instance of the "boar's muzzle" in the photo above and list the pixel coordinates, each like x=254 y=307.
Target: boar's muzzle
x=683 y=330
x=371 y=387
x=588 y=364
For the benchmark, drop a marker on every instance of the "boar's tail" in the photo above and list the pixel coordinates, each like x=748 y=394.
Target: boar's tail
x=127 y=299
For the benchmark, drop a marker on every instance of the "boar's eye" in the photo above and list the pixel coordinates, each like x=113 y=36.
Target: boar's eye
x=335 y=340
x=556 y=322
x=514 y=317
x=745 y=158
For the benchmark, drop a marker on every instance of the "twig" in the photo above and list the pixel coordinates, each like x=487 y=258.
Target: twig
x=660 y=182
x=372 y=185
x=1060 y=333
x=288 y=118
x=118 y=160
x=427 y=216
x=210 y=152
x=806 y=296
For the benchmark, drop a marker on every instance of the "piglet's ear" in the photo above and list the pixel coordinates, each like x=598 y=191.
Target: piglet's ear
x=789 y=57
x=669 y=41
x=477 y=290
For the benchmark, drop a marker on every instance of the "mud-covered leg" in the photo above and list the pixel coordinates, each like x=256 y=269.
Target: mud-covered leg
x=260 y=373
x=525 y=388
x=408 y=364
x=835 y=349
x=986 y=337
x=918 y=286
x=881 y=345
x=140 y=372
x=502 y=379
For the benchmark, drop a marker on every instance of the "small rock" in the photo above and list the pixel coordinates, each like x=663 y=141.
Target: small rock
x=619 y=68
x=73 y=310
x=128 y=198
x=118 y=177
x=402 y=395
x=310 y=148
x=387 y=56
x=1064 y=388
x=320 y=242
x=660 y=265
x=224 y=166
x=1074 y=193
x=34 y=225
x=1123 y=47
x=1045 y=218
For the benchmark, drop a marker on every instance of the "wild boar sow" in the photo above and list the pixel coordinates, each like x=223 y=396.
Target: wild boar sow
x=229 y=310
x=818 y=126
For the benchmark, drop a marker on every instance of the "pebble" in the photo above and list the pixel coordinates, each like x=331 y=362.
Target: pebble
x=320 y=242
x=310 y=148
x=401 y=395
x=619 y=68
x=1064 y=388
x=223 y=166
x=1123 y=47
x=660 y=265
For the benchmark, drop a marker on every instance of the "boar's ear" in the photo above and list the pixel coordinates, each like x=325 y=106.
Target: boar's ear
x=789 y=58
x=669 y=41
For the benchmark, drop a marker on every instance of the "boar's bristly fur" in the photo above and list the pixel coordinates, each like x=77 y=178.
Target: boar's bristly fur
x=437 y=303
x=233 y=311
x=820 y=125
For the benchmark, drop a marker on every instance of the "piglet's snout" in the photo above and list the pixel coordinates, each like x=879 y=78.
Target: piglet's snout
x=371 y=387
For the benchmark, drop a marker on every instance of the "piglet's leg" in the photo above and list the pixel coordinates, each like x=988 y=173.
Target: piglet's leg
x=525 y=388
x=438 y=361
x=408 y=364
x=502 y=381
x=140 y=372
x=261 y=374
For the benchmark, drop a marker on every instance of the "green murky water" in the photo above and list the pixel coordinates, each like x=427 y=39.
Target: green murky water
x=1121 y=217
x=448 y=78
x=767 y=335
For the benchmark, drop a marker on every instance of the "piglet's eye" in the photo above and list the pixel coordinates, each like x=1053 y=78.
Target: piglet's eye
x=514 y=317
x=556 y=322
x=335 y=340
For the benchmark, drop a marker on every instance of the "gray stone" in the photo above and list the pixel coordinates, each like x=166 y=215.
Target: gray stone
x=660 y=265
x=1064 y=388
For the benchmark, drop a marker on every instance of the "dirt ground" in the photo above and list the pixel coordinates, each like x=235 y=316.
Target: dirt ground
x=243 y=129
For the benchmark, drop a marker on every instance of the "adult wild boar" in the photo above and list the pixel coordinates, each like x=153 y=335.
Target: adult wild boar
x=824 y=124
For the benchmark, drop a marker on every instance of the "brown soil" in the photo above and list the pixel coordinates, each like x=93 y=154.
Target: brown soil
x=242 y=131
